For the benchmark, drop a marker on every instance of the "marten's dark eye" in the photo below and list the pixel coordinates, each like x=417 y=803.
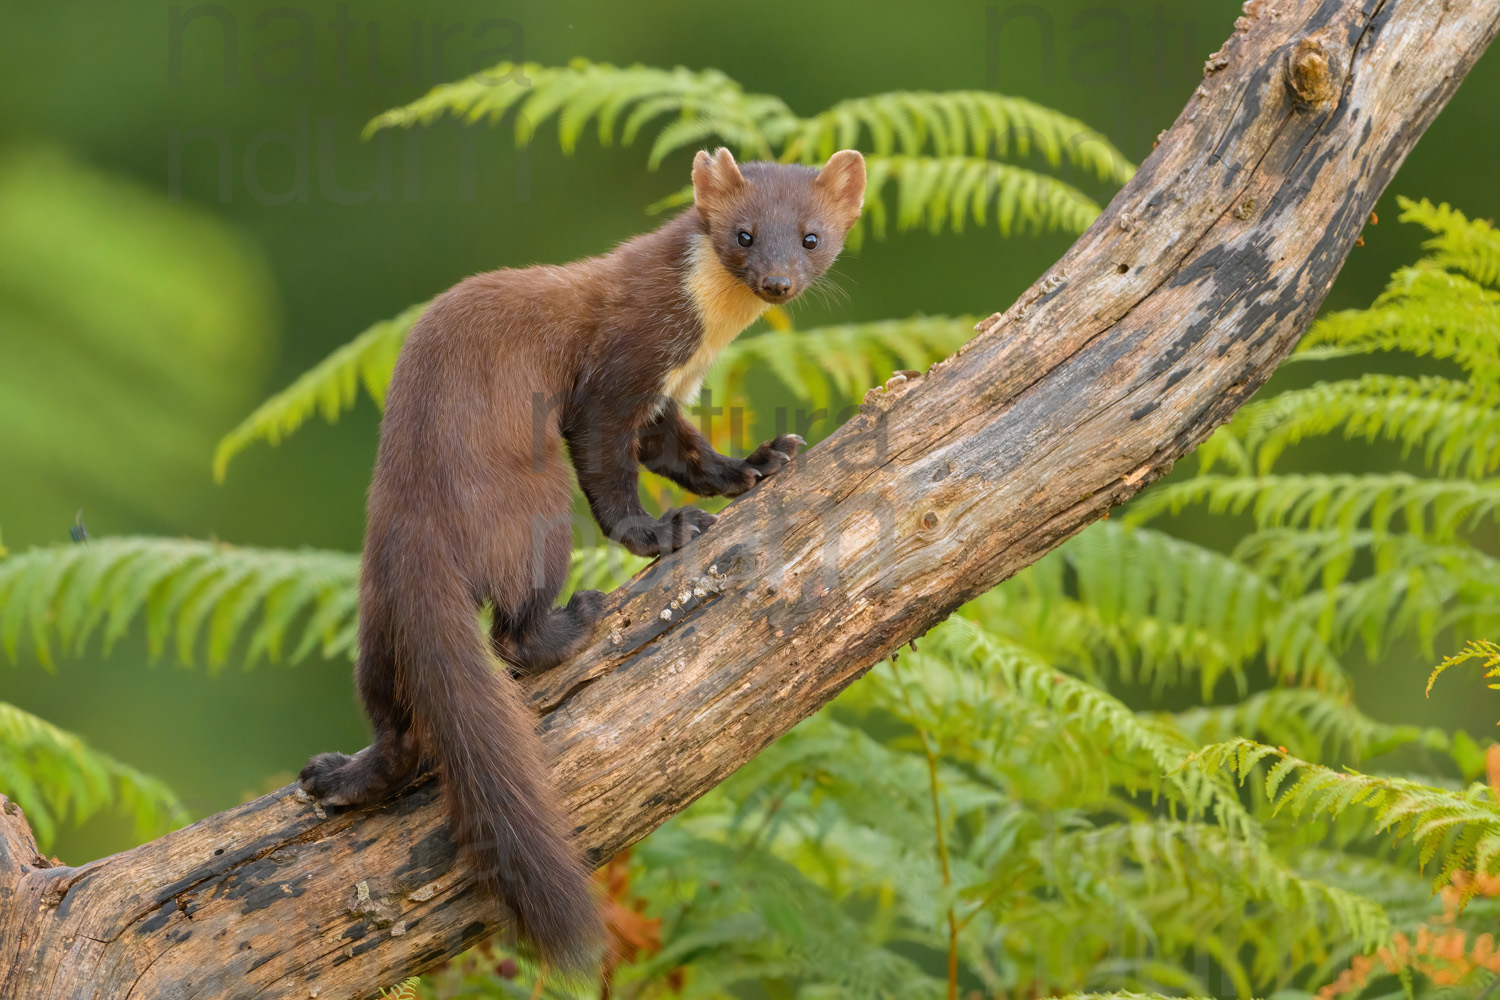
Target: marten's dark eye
x=745 y=238
x=810 y=241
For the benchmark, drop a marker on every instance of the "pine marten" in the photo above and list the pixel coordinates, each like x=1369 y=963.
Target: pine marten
x=471 y=498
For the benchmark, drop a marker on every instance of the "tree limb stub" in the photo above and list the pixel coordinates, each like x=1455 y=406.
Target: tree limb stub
x=1159 y=322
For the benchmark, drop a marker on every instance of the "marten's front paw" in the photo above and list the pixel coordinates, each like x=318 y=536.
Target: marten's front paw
x=774 y=454
x=685 y=524
x=672 y=531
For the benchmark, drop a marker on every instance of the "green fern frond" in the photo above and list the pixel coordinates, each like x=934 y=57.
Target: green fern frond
x=55 y=776
x=1411 y=601
x=1486 y=652
x=1310 y=723
x=1425 y=311
x=1460 y=244
x=955 y=124
x=706 y=106
x=1206 y=859
x=1434 y=510
x=939 y=192
x=822 y=363
x=330 y=387
x=205 y=598
x=1158 y=609
x=1456 y=425
x=1005 y=671
x=702 y=105
x=1134 y=574
x=1413 y=585
x=405 y=990
x=69 y=593
x=1458 y=830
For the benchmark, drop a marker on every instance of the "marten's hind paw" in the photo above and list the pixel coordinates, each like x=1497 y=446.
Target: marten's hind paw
x=337 y=779
x=326 y=778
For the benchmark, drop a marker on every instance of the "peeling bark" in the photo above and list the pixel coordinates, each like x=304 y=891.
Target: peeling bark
x=1159 y=322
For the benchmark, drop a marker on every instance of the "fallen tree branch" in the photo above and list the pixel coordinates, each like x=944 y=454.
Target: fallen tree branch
x=1162 y=320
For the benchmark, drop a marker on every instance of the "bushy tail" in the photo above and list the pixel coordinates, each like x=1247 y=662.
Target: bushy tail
x=505 y=812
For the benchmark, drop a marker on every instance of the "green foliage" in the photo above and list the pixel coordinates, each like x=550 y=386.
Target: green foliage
x=1454 y=830
x=206 y=600
x=184 y=590
x=1312 y=723
x=835 y=362
x=55 y=776
x=707 y=106
x=1454 y=425
x=405 y=990
x=935 y=147
x=1152 y=607
x=330 y=387
x=1486 y=652
x=1444 y=306
x=941 y=192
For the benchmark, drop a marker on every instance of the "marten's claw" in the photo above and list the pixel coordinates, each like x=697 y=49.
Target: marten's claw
x=772 y=456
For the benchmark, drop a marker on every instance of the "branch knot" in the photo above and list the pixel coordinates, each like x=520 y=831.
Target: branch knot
x=1314 y=73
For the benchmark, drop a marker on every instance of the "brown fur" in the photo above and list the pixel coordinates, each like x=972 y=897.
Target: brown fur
x=471 y=498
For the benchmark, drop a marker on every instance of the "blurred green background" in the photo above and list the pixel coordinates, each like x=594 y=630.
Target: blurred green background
x=146 y=303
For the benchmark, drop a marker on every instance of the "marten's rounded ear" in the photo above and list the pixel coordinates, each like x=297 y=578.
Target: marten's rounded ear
x=715 y=178
x=842 y=182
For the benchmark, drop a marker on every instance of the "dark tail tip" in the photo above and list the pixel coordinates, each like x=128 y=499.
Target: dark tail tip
x=547 y=888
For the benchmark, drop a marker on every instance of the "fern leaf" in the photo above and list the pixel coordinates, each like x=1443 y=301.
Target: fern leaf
x=1205 y=859
x=202 y=598
x=955 y=124
x=1125 y=573
x=819 y=364
x=1456 y=425
x=941 y=192
x=1310 y=723
x=1158 y=608
x=1425 y=311
x=404 y=990
x=68 y=594
x=707 y=105
x=329 y=387
x=1414 y=586
x=1009 y=672
x=1434 y=510
x=1486 y=652
x=1460 y=244
x=1458 y=830
x=55 y=776
x=584 y=91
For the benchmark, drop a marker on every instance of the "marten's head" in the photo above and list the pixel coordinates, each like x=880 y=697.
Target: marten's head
x=778 y=226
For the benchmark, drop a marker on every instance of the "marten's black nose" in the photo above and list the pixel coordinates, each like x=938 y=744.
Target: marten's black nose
x=776 y=285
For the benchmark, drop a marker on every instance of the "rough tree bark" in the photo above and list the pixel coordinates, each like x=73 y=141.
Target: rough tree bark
x=1160 y=321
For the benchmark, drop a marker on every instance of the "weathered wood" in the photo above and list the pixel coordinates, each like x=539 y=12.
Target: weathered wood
x=1162 y=319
